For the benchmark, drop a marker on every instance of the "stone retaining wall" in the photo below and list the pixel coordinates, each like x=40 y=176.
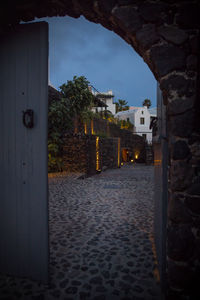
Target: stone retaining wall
x=133 y=142
x=109 y=152
x=79 y=153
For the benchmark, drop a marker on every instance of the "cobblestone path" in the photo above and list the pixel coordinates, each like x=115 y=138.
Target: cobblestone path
x=101 y=239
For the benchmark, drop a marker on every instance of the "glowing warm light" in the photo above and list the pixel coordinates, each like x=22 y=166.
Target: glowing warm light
x=92 y=127
x=157 y=162
x=85 y=128
x=97 y=155
x=119 y=151
x=136 y=154
x=121 y=163
x=131 y=160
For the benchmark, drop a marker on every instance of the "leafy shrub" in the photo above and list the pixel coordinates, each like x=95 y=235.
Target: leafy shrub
x=59 y=121
x=76 y=99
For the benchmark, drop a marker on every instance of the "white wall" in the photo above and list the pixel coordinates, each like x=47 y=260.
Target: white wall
x=143 y=128
x=111 y=106
x=134 y=116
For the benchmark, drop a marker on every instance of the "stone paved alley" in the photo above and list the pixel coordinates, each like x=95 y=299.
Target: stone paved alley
x=101 y=239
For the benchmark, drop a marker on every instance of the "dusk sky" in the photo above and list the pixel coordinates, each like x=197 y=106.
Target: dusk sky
x=79 y=47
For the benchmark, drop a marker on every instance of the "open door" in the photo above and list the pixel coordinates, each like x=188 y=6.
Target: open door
x=23 y=152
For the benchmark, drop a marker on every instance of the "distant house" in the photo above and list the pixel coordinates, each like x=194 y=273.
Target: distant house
x=141 y=118
x=106 y=98
x=99 y=105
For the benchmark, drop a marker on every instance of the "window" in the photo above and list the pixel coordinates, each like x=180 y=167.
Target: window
x=144 y=136
x=127 y=120
x=141 y=120
x=142 y=112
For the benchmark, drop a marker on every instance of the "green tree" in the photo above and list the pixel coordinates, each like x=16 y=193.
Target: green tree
x=146 y=102
x=59 y=121
x=73 y=105
x=121 y=105
x=78 y=94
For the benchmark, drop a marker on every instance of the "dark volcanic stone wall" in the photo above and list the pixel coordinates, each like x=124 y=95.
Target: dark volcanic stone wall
x=133 y=142
x=74 y=154
x=109 y=152
x=79 y=153
x=166 y=35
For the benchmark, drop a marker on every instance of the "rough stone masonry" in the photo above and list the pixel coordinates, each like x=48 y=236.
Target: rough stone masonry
x=166 y=35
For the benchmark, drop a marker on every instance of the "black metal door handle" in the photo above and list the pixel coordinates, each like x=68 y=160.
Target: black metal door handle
x=28 y=118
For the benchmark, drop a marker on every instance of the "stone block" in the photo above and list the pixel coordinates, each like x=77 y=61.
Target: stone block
x=180 y=242
x=167 y=58
x=182 y=86
x=188 y=15
x=106 y=6
x=180 y=277
x=128 y=2
x=179 y=106
x=153 y=12
x=195 y=149
x=193 y=203
x=194 y=44
x=177 y=210
x=182 y=125
x=173 y=34
x=147 y=36
x=181 y=175
x=192 y=62
x=180 y=150
x=194 y=189
x=129 y=18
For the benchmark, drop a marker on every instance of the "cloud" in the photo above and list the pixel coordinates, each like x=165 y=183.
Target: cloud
x=79 y=47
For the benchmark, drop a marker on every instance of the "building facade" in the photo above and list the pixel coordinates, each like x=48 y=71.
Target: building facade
x=107 y=98
x=141 y=118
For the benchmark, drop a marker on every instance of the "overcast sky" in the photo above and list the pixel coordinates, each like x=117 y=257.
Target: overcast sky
x=79 y=47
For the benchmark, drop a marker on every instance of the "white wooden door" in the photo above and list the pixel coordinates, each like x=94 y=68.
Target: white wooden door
x=23 y=152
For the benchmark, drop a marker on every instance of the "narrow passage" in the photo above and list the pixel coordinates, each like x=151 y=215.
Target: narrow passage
x=102 y=234
x=101 y=239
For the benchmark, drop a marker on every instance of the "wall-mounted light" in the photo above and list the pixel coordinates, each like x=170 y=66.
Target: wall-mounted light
x=97 y=155
x=137 y=154
x=85 y=128
x=119 y=152
x=92 y=127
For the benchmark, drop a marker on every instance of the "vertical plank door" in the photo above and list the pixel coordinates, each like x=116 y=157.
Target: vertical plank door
x=23 y=152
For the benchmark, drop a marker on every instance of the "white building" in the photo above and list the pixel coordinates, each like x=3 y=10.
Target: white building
x=107 y=98
x=140 y=117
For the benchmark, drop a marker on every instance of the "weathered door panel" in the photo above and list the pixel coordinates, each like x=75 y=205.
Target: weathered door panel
x=23 y=152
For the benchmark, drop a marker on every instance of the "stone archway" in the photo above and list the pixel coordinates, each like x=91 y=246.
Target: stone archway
x=166 y=35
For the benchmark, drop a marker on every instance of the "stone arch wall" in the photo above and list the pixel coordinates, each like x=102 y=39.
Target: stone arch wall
x=166 y=34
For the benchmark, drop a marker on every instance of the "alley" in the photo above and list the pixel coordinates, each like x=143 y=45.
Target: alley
x=101 y=239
